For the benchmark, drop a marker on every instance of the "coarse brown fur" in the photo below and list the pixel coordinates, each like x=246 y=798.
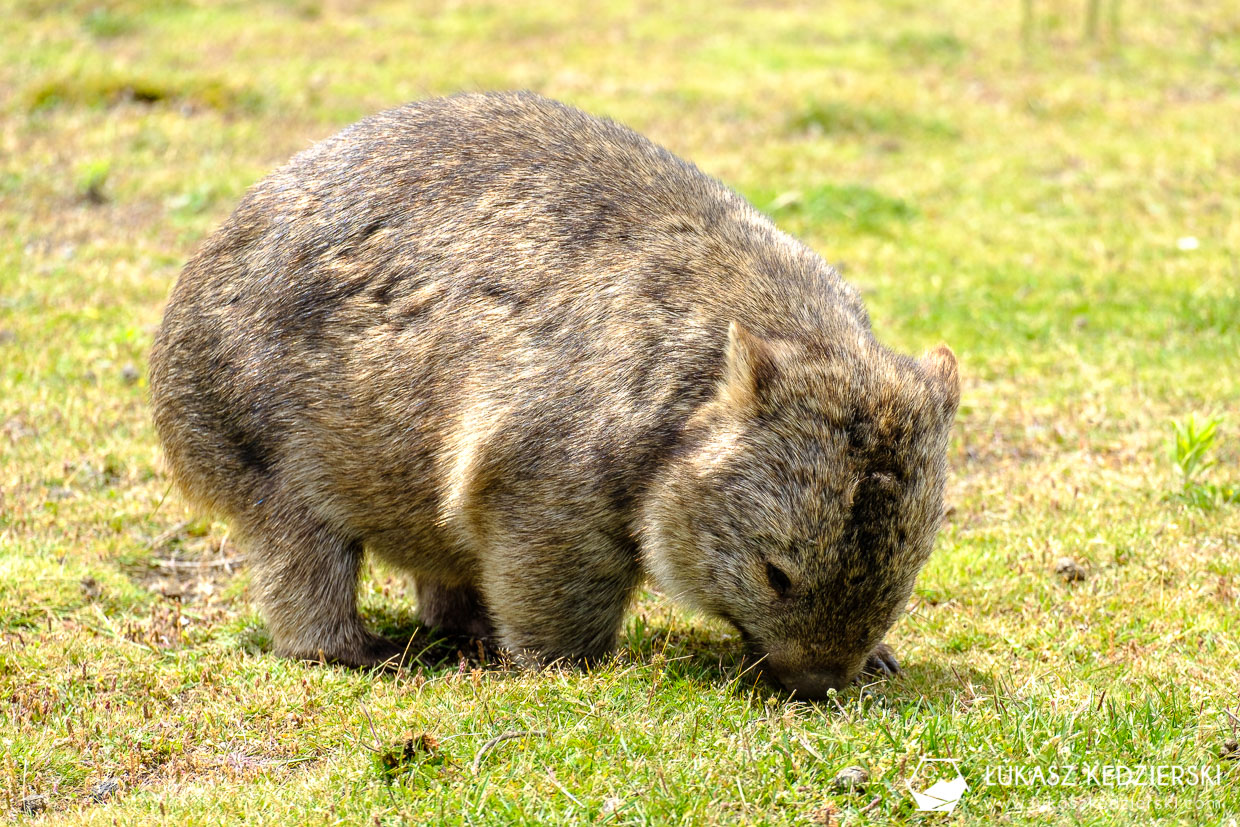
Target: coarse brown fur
x=529 y=356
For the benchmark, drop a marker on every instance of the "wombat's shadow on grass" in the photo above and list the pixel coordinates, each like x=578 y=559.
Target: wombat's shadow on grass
x=703 y=655
x=681 y=653
x=427 y=649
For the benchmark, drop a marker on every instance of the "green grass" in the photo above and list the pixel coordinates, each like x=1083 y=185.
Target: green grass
x=1061 y=209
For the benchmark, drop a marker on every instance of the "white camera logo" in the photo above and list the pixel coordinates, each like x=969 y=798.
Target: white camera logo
x=944 y=794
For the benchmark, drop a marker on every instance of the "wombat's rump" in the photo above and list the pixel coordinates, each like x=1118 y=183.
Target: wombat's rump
x=527 y=356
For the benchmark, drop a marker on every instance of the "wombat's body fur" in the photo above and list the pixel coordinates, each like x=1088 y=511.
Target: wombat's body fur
x=527 y=355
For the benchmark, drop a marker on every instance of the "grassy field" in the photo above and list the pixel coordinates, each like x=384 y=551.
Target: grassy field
x=1063 y=209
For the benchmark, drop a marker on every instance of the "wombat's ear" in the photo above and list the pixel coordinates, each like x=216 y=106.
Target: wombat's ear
x=750 y=364
x=941 y=364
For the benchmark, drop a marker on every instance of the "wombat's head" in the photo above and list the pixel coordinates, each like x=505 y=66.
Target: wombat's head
x=808 y=500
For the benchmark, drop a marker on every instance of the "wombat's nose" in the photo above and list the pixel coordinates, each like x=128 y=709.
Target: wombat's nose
x=812 y=686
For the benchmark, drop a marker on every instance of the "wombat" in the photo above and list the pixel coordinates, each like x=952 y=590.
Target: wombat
x=529 y=357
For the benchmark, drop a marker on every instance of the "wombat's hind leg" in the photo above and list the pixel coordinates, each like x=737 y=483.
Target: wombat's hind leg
x=882 y=662
x=306 y=578
x=456 y=610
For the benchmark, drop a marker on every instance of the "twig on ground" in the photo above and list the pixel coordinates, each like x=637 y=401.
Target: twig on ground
x=374 y=735
x=499 y=739
x=159 y=539
x=227 y=562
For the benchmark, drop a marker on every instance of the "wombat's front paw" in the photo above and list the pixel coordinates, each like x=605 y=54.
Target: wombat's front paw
x=882 y=662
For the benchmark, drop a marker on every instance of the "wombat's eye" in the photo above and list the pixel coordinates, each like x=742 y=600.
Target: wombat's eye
x=778 y=580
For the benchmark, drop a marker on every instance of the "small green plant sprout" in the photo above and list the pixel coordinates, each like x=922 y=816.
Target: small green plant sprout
x=1193 y=441
x=1191 y=450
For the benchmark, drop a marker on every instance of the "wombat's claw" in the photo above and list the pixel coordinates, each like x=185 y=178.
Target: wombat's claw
x=882 y=662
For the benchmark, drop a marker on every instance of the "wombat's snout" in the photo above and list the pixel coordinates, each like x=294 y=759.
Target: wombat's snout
x=814 y=685
x=805 y=677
